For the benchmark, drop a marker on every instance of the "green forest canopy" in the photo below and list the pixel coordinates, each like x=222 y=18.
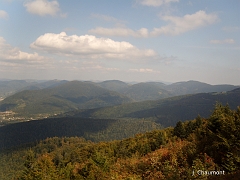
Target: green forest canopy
x=207 y=144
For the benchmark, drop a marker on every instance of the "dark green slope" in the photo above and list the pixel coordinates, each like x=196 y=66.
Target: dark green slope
x=114 y=85
x=140 y=91
x=159 y=84
x=29 y=132
x=146 y=91
x=167 y=111
x=61 y=98
x=91 y=129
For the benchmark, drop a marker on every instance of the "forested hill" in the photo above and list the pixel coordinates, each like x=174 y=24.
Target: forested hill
x=139 y=91
x=64 y=97
x=157 y=90
x=194 y=87
x=44 y=99
x=166 y=111
x=96 y=130
x=198 y=149
x=146 y=91
x=114 y=85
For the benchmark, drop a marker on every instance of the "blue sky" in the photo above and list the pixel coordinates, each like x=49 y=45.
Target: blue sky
x=128 y=40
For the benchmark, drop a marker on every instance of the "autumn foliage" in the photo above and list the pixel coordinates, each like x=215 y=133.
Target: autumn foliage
x=211 y=144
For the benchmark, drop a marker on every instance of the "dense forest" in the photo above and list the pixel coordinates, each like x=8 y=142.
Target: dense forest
x=91 y=129
x=203 y=148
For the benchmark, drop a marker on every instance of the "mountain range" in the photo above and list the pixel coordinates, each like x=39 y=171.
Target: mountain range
x=61 y=98
x=58 y=96
x=10 y=87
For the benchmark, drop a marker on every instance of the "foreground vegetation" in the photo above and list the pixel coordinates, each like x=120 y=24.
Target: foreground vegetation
x=211 y=144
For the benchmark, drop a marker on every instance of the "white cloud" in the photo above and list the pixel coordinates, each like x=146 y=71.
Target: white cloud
x=120 y=31
x=3 y=14
x=225 y=41
x=176 y=26
x=179 y=25
x=156 y=3
x=90 y=47
x=43 y=7
x=11 y=54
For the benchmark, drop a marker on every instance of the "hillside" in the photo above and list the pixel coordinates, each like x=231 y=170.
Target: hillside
x=194 y=87
x=146 y=91
x=166 y=111
x=199 y=145
x=64 y=97
x=95 y=130
x=114 y=85
x=156 y=90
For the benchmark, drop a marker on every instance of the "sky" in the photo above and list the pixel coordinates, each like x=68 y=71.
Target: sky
x=127 y=40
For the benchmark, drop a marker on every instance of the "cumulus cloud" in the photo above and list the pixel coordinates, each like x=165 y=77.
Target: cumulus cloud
x=176 y=26
x=156 y=3
x=43 y=7
x=11 y=54
x=179 y=25
x=90 y=47
x=3 y=14
x=225 y=41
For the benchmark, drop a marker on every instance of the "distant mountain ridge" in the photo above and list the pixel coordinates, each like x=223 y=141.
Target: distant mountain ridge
x=157 y=90
x=59 y=96
x=64 y=97
x=193 y=87
x=10 y=87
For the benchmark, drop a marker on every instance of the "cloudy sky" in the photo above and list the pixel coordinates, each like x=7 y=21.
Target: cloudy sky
x=128 y=40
